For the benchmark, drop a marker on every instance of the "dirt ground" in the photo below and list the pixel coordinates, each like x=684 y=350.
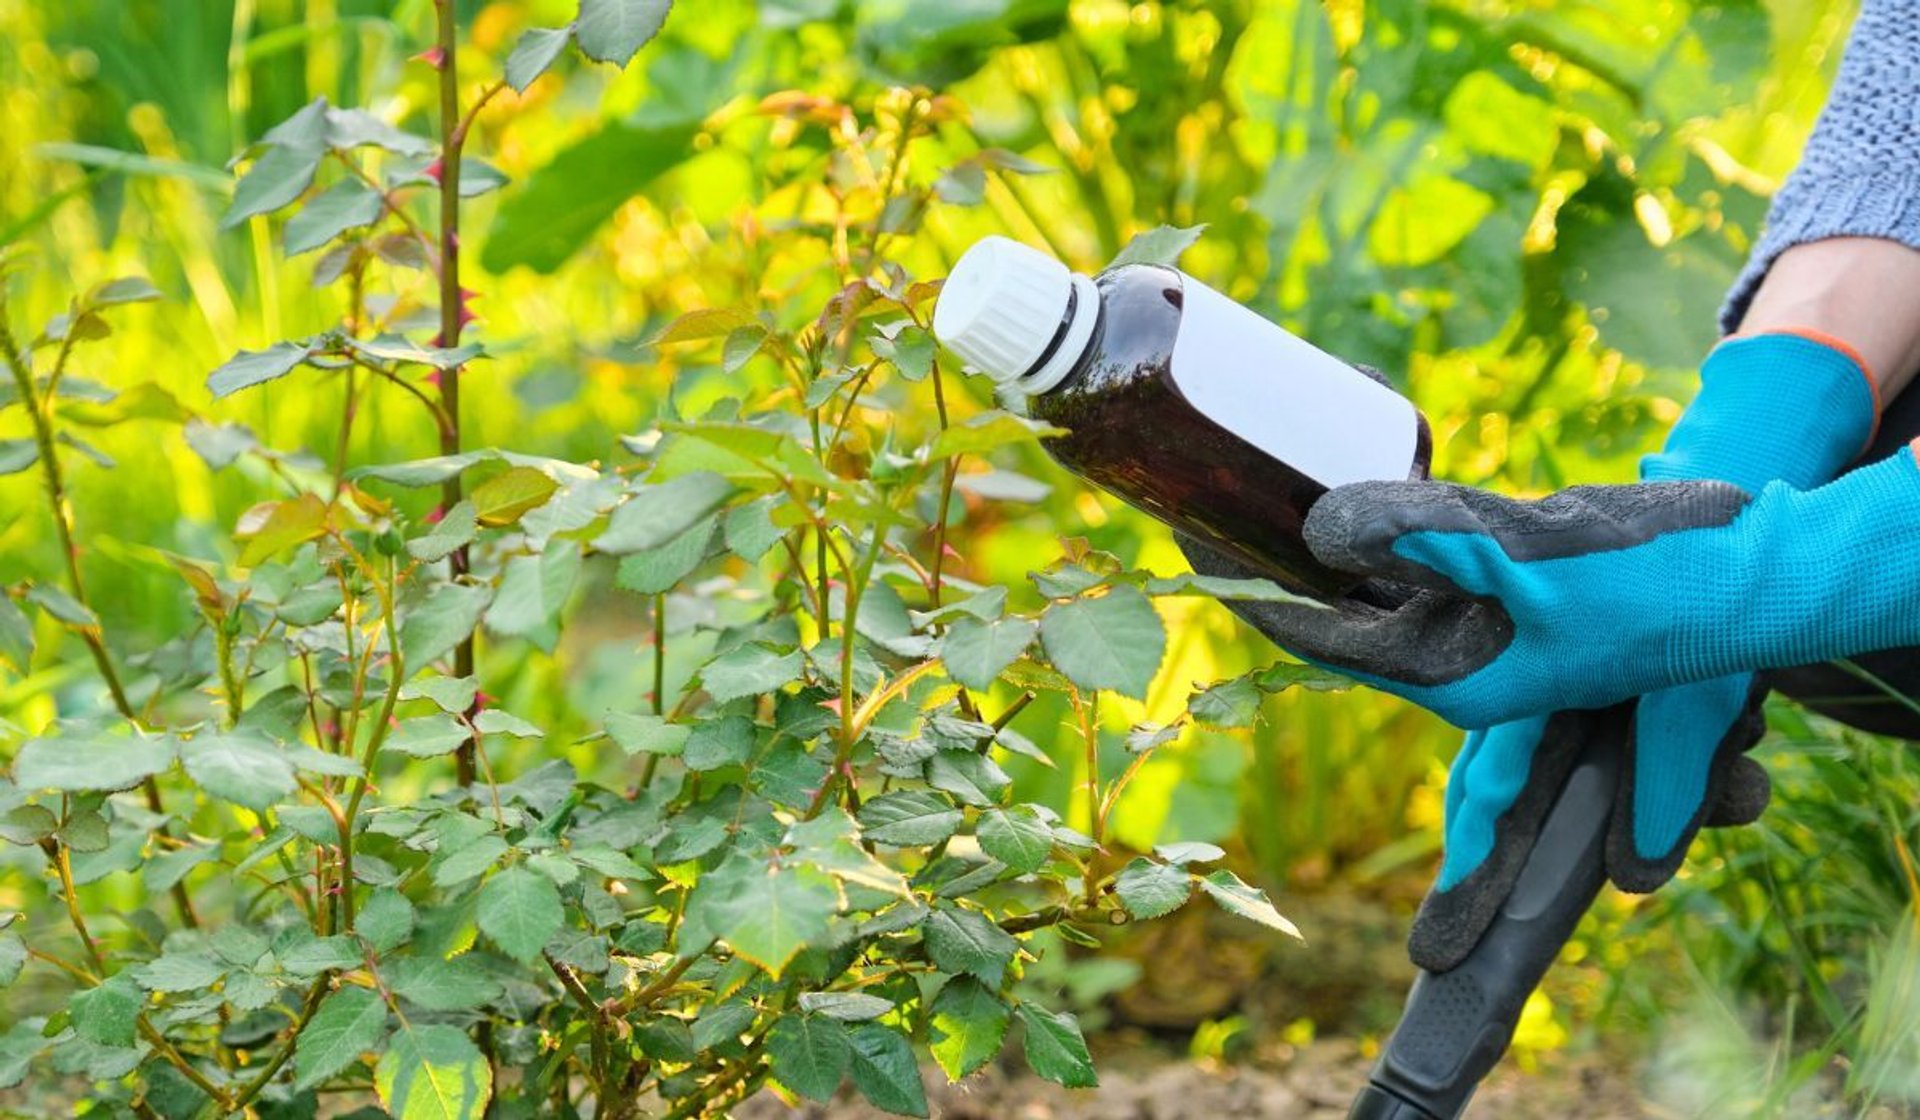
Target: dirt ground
x=1318 y=1084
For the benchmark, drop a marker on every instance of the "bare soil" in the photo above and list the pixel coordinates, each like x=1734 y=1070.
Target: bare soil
x=1317 y=1084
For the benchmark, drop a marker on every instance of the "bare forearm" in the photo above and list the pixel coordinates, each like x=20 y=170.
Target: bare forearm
x=1863 y=291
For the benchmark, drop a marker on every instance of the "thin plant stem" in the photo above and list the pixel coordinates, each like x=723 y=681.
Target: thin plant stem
x=453 y=302
x=40 y=410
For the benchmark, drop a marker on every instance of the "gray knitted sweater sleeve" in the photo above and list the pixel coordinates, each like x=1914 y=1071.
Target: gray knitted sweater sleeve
x=1860 y=173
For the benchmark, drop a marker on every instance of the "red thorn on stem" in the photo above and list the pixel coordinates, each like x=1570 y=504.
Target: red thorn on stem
x=433 y=378
x=435 y=514
x=434 y=170
x=435 y=57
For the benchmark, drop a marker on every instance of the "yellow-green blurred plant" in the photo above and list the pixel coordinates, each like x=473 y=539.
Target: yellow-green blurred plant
x=791 y=860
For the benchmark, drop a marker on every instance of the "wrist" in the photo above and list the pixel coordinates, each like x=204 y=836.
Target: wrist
x=1854 y=288
x=1786 y=404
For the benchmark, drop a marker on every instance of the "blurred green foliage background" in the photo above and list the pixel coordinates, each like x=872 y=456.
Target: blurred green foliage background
x=1524 y=212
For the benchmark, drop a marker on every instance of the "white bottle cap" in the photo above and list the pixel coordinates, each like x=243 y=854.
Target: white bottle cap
x=1004 y=304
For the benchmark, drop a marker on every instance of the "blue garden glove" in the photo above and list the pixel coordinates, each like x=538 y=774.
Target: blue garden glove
x=1686 y=764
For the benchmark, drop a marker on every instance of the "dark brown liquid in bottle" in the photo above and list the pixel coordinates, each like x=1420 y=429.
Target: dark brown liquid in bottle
x=1132 y=432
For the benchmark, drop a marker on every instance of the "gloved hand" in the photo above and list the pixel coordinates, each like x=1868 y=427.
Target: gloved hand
x=1686 y=764
x=1816 y=410
x=1586 y=597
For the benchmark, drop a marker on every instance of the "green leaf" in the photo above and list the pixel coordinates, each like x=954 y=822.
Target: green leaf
x=614 y=30
x=977 y=652
x=727 y=741
x=62 y=606
x=1016 y=837
x=246 y=768
x=750 y=670
x=564 y=202
x=847 y=1007
x=277 y=178
x=178 y=972
x=348 y=129
x=97 y=762
x=885 y=1072
x=970 y=1024
x=291 y=523
x=85 y=831
x=1161 y=245
x=450 y=694
x=610 y=864
x=1228 y=704
x=106 y=1014
x=124 y=289
x=1111 y=642
x=433 y=1073
x=750 y=530
x=469 y=862
x=348 y=204
x=17 y=455
x=534 y=53
x=311 y=955
x=386 y=921
x=256 y=367
x=659 y=512
x=423 y=472
x=1226 y=589
x=969 y=775
x=27 y=824
x=16 y=634
x=766 y=913
x=455 y=530
x=500 y=500
x=394 y=348
x=499 y=721
x=810 y=1054
x=908 y=818
x=967 y=941
x=427 y=736
x=1055 y=1049
x=1149 y=889
x=740 y=451
x=987 y=431
x=520 y=910
x=723 y=1024
x=441 y=985
x=533 y=589
x=447 y=618
x=703 y=323
x=654 y=570
x=1184 y=852
x=348 y=1023
x=1282 y=675
x=1238 y=898
x=646 y=734
x=13 y=957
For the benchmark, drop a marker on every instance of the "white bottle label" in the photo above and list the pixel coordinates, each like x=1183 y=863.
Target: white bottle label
x=1287 y=397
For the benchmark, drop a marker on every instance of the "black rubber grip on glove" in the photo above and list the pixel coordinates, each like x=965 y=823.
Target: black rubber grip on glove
x=1458 y=1023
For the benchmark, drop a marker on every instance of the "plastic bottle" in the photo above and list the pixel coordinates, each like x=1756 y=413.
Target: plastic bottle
x=1180 y=401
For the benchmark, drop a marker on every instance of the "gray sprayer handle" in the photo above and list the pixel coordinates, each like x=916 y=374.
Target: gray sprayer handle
x=1457 y=1023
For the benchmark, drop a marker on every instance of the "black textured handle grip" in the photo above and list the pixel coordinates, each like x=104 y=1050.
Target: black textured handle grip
x=1458 y=1023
